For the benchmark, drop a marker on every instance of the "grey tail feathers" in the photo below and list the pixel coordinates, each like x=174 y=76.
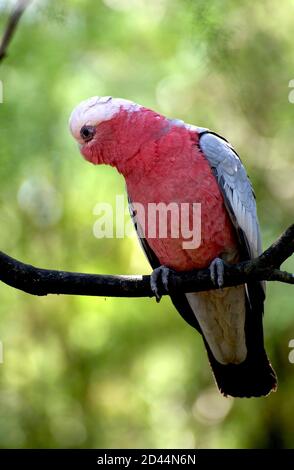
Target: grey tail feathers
x=255 y=376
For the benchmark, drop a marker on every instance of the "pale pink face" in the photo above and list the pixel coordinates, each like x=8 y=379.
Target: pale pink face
x=90 y=123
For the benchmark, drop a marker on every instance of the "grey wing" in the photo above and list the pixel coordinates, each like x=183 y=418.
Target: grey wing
x=150 y=255
x=236 y=189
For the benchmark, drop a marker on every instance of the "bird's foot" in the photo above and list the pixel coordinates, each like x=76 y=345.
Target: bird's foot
x=217 y=269
x=159 y=281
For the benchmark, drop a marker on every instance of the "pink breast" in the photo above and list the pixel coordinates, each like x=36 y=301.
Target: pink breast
x=183 y=175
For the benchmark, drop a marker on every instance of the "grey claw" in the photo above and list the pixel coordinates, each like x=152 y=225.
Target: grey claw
x=217 y=270
x=159 y=279
x=154 y=284
x=165 y=272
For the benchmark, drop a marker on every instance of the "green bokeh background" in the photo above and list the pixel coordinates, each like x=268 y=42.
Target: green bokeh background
x=95 y=372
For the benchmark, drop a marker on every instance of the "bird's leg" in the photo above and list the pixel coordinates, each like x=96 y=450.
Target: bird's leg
x=159 y=281
x=217 y=269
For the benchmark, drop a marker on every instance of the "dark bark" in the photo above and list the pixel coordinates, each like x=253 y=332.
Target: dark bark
x=11 y=26
x=37 y=281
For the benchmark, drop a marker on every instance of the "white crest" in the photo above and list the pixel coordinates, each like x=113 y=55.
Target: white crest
x=96 y=110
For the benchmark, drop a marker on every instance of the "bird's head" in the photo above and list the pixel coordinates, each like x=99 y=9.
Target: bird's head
x=96 y=124
x=113 y=130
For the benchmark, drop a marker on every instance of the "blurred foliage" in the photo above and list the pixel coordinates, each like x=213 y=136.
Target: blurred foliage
x=90 y=372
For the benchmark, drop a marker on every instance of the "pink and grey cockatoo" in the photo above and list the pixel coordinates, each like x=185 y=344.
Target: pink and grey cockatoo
x=163 y=161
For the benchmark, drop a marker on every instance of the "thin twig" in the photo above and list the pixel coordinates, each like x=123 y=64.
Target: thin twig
x=37 y=281
x=11 y=26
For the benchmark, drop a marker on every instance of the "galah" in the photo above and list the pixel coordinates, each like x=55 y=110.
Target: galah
x=166 y=160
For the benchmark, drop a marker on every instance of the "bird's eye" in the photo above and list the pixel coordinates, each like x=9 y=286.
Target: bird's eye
x=87 y=133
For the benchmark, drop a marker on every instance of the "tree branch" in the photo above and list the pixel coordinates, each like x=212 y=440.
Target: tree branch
x=37 y=281
x=11 y=26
